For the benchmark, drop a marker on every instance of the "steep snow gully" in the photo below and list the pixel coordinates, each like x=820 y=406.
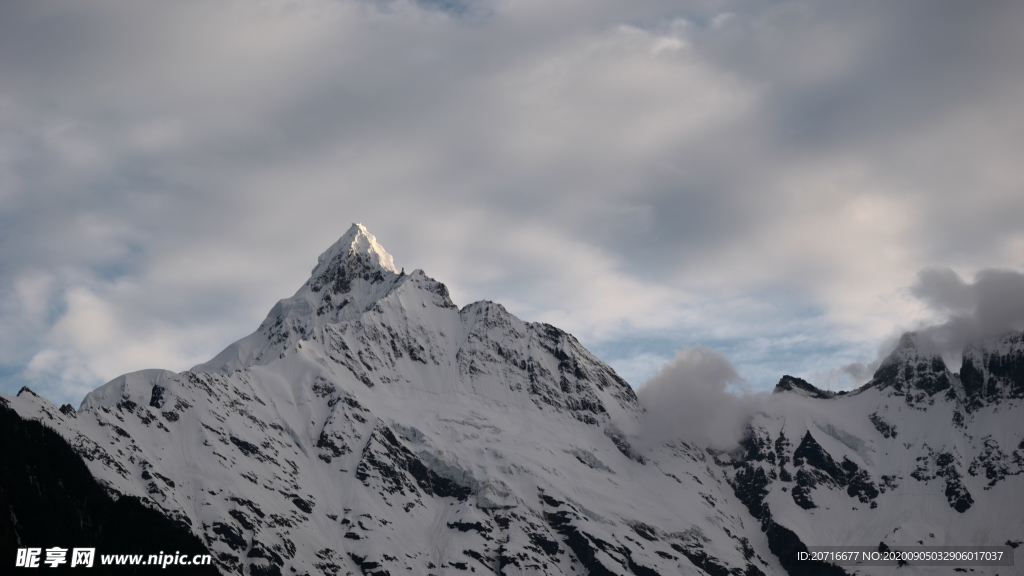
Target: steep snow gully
x=370 y=426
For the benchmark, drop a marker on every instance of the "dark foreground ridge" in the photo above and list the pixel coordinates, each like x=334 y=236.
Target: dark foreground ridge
x=49 y=498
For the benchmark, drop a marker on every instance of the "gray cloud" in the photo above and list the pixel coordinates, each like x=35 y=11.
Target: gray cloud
x=761 y=177
x=860 y=371
x=688 y=400
x=942 y=289
x=990 y=306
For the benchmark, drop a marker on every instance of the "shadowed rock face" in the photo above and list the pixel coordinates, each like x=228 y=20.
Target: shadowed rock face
x=49 y=498
x=993 y=370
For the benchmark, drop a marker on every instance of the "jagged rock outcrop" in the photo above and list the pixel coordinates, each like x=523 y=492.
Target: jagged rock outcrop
x=913 y=372
x=993 y=371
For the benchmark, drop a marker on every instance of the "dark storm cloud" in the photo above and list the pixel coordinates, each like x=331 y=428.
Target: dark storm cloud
x=761 y=176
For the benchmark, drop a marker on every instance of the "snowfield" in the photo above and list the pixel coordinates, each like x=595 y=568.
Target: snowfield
x=370 y=426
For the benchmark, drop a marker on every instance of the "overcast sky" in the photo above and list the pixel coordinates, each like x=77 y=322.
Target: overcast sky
x=763 y=178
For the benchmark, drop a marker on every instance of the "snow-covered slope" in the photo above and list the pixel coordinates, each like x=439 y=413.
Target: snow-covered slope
x=370 y=426
x=914 y=457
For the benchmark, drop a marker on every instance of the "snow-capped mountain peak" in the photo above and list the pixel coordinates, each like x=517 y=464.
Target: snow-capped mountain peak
x=912 y=369
x=350 y=277
x=357 y=242
x=371 y=426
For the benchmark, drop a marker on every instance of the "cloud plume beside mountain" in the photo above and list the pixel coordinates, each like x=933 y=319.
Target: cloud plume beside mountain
x=689 y=400
x=990 y=306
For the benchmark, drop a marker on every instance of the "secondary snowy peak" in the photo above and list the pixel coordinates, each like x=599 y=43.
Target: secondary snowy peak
x=913 y=370
x=992 y=371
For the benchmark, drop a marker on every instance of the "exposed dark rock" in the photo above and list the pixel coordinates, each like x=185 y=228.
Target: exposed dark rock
x=582 y=547
x=644 y=531
x=996 y=464
x=883 y=548
x=800 y=386
x=242 y=519
x=619 y=439
x=49 y=498
x=818 y=467
x=248 y=448
x=785 y=544
x=944 y=465
x=156 y=398
x=304 y=505
x=884 y=428
x=230 y=535
x=916 y=374
x=393 y=461
x=259 y=550
x=700 y=559
x=251 y=506
x=751 y=487
x=368 y=567
x=467 y=526
x=550 y=547
x=814 y=455
x=861 y=487
x=801 y=493
x=639 y=569
x=264 y=570
x=993 y=370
